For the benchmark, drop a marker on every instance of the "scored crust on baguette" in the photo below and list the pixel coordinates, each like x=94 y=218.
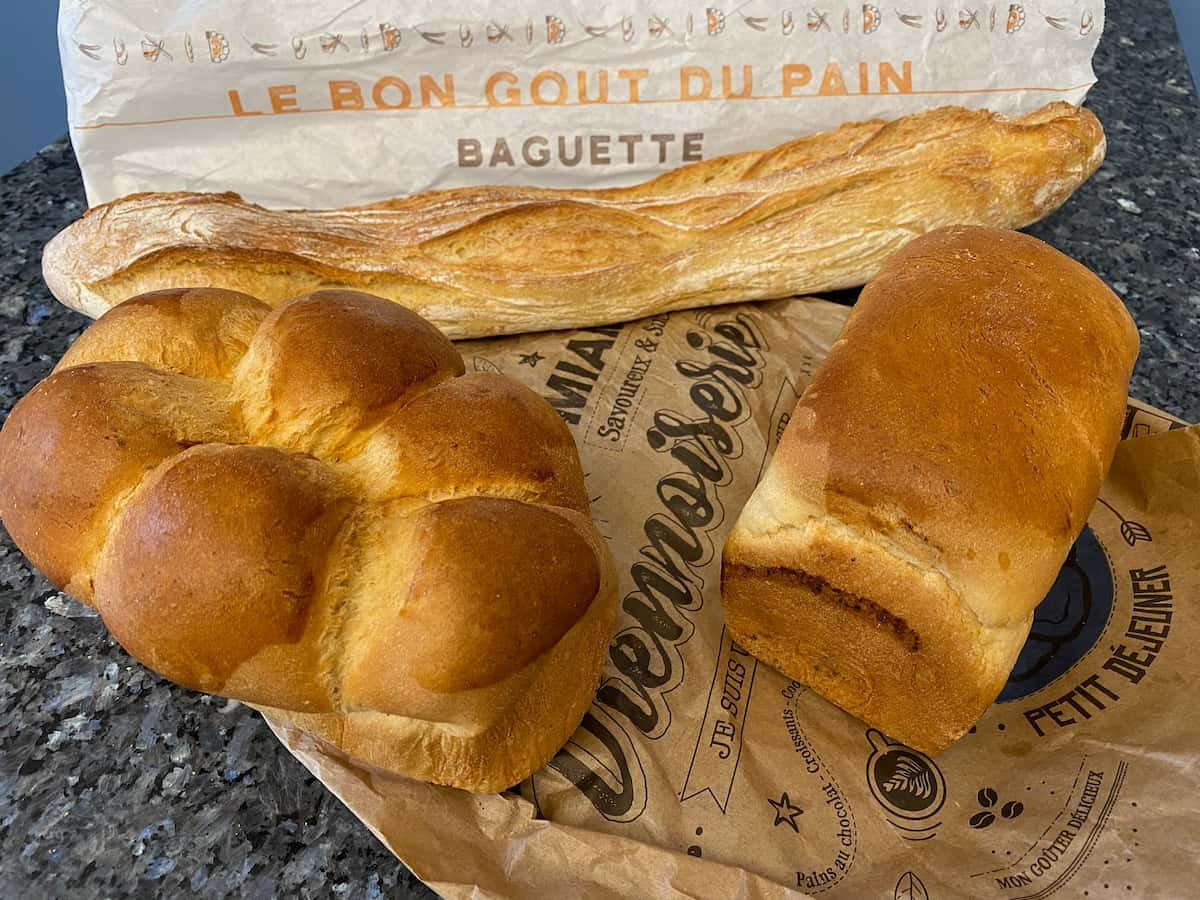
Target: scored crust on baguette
x=313 y=509
x=816 y=214
x=931 y=481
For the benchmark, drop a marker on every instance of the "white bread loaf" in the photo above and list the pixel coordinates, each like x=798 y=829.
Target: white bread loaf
x=931 y=481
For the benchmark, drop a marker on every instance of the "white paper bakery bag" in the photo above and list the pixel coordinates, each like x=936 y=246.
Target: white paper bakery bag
x=330 y=103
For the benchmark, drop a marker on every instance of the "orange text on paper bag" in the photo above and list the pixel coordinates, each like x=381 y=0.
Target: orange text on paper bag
x=581 y=87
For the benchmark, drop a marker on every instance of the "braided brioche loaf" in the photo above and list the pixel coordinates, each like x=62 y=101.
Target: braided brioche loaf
x=815 y=214
x=314 y=510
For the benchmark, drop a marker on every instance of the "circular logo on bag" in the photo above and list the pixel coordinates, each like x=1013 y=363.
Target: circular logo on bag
x=905 y=782
x=1067 y=624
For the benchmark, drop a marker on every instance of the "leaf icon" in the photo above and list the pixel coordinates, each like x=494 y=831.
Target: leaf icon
x=900 y=777
x=1130 y=530
x=910 y=887
x=922 y=785
x=479 y=364
x=910 y=776
x=1134 y=531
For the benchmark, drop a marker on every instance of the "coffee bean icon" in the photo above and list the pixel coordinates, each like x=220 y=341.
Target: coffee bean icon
x=982 y=819
x=988 y=798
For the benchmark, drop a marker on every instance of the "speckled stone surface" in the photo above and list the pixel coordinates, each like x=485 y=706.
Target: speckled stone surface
x=115 y=783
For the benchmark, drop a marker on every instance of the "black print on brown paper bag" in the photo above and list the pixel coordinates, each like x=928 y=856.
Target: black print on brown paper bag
x=724 y=361
x=1068 y=622
x=828 y=832
x=989 y=800
x=908 y=785
x=910 y=887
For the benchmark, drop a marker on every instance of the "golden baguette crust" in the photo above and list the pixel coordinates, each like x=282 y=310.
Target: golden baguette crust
x=815 y=214
x=932 y=479
x=313 y=509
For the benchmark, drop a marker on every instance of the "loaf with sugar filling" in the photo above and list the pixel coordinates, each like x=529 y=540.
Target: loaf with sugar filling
x=931 y=481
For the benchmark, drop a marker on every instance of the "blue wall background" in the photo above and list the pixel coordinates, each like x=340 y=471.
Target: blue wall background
x=1187 y=17
x=33 y=110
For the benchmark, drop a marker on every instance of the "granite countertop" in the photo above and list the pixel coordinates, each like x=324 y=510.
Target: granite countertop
x=114 y=782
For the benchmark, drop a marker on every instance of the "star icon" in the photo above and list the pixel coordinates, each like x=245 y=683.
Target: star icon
x=785 y=812
x=531 y=359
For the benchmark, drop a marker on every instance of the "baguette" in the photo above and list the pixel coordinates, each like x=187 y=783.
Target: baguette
x=932 y=480
x=816 y=214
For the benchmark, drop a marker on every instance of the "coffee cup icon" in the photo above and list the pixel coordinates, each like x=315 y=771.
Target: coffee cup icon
x=904 y=781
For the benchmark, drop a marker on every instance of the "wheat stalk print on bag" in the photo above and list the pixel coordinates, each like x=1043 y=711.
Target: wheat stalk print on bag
x=314 y=510
x=816 y=214
x=932 y=480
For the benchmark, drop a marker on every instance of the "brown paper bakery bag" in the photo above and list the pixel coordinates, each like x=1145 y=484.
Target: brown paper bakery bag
x=701 y=772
